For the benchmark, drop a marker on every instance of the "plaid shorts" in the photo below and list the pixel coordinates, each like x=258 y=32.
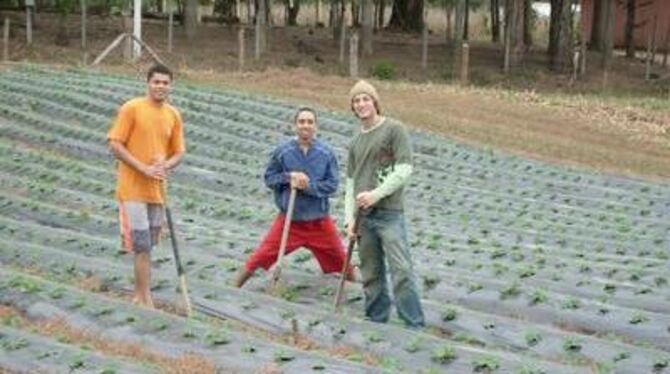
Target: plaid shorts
x=140 y=225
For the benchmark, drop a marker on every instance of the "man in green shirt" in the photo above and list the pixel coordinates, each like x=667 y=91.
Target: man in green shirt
x=379 y=166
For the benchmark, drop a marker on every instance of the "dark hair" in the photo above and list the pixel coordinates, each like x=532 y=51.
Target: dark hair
x=304 y=109
x=158 y=69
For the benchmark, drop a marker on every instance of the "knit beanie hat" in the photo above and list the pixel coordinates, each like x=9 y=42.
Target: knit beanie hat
x=366 y=88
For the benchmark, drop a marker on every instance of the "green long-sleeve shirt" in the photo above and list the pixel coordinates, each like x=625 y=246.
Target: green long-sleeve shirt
x=379 y=160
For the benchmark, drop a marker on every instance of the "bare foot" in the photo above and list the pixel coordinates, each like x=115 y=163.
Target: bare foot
x=242 y=277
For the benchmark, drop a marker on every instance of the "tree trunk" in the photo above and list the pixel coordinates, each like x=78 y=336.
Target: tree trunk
x=62 y=38
x=64 y=8
x=596 y=43
x=366 y=34
x=527 y=24
x=355 y=13
x=449 y=10
x=560 y=35
x=227 y=9
x=381 y=15
x=293 y=12
x=459 y=23
x=514 y=16
x=407 y=15
x=332 y=17
x=466 y=20
x=630 y=29
x=608 y=8
x=339 y=12
x=495 y=21
x=191 y=18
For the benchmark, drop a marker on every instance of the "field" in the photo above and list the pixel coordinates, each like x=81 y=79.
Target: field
x=525 y=267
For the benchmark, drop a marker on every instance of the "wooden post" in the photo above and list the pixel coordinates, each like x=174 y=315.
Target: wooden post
x=465 y=64
x=83 y=32
x=318 y=12
x=29 y=26
x=170 y=30
x=508 y=48
x=353 y=55
x=343 y=35
x=576 y=58
x=582 y=67
x=128 y=47
x=110 y=47
x=257 y=31
x=261 y=26
x=367 y=20
x=137 y=28
x=459 y=22
x=667 y=47
x=651 y=46
x=5 y=41
x=240 y=42
x=424 y=39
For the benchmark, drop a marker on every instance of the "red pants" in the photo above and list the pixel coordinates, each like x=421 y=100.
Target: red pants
x=319 y=236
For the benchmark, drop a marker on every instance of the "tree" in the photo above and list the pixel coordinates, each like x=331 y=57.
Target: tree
x=459 y=22
x=596 y=42
x=293 y=8
x=407 y=15
x=367 y=25
x=227 y=9
x=514 y=30
x=630 y=28
x=560 y=35
x=191 y=18
x=380 y=13
x=528 y=23
x=495 y=21
x=607 y=16
x=64 y=7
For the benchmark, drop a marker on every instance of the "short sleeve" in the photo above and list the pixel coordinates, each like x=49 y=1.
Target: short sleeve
x=123 y=124
x=177 y=137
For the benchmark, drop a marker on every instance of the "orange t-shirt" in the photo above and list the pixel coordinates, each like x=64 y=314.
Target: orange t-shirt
x=150 y=132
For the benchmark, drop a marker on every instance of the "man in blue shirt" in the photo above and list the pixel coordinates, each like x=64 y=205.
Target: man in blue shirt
x=310 y=166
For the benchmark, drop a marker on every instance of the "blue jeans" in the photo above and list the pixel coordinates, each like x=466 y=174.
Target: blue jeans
x=384 y=239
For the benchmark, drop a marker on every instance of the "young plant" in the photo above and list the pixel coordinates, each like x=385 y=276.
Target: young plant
x=510 y=291
x=485 y=364
x=282 y=355
x=443 y=354
x=414 y=345
x=373 y=337
x=538 y=297
x=572 y=345
x=474 y=287
x=572 y=304
x=533 y=338
x=661 y=364
x=430 y=281
x=621 y=356
x=638 y=319
x=449 y=314
x=217 y=338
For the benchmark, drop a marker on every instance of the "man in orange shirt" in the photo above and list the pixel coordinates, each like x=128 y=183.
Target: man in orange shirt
x=147 y=138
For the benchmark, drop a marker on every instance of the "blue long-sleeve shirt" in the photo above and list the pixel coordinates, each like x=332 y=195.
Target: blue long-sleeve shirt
x=320 y=165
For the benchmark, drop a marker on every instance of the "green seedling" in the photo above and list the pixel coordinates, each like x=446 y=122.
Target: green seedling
x=449 y=315
x=443 y=354
x=532 y=338
x=485 y=364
